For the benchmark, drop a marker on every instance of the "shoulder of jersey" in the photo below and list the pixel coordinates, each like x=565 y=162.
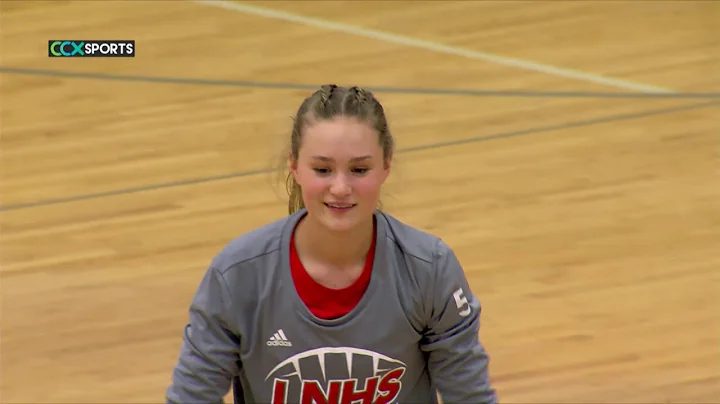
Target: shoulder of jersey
x=257 y=242
x=411 y=240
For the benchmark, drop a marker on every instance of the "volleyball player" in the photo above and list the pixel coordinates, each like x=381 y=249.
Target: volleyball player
x=338 y=302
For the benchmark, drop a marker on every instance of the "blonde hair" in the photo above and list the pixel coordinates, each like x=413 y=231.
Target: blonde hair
x=328 y=102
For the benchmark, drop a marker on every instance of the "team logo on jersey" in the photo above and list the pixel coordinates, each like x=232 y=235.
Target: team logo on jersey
x=341 y=375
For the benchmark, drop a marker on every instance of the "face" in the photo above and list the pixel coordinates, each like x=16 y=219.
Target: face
x=341 y=170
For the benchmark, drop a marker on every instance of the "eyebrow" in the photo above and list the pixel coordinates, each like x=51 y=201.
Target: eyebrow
x=360 y=158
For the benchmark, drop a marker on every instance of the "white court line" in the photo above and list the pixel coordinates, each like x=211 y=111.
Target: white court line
x=434 y=46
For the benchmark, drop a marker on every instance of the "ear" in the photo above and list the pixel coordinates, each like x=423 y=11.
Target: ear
x=388 y=163
x=292 y=163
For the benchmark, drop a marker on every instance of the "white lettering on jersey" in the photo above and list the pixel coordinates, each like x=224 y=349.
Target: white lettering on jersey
x=461 y=301
x=384 y=386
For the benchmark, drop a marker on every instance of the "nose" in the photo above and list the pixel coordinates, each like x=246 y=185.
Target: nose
x=340 y=187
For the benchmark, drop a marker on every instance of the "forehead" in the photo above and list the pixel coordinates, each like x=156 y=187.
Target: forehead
x=342 y=137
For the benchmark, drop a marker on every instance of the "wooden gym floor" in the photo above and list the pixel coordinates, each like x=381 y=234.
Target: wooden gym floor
x=586 y=210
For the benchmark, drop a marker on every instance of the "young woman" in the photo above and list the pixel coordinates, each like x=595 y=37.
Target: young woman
x=338 y=302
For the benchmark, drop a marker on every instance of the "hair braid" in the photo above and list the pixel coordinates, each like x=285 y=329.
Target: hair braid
x=359 y=93
x=326 y=93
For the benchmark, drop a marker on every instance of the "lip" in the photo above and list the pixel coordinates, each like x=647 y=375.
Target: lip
x=339 y=207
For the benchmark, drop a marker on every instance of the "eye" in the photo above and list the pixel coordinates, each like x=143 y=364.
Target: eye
x=360 y=170
x=322 y=171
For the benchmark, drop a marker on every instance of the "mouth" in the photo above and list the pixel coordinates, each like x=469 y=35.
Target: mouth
x=340 y=206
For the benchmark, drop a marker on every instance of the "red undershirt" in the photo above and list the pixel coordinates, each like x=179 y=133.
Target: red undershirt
x=324 y=302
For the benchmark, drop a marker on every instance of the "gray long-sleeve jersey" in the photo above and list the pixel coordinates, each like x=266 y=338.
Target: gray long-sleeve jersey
x=414 y=332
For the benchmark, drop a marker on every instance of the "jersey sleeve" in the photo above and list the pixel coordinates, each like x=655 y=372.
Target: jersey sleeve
x=457 y=361
x=209 y=356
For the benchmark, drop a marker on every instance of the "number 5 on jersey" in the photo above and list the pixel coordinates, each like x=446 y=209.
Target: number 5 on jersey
x=462 y=303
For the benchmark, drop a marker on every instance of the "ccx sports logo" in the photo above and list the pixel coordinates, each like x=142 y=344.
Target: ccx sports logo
x=84 y=49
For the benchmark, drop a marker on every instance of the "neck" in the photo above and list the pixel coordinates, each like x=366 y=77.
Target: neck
x=339 y=249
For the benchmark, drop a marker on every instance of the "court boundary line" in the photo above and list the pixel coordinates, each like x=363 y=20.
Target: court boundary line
x=432 y=46
x=377 y=89
x=433 y=146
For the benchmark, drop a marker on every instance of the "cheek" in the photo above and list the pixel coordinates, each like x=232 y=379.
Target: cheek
x=315 y=187
x=368 y=187
x=312 y=184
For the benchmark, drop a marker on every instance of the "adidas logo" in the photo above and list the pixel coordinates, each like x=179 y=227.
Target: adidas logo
x=279 y=339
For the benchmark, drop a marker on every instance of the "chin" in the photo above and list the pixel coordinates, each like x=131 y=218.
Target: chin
x=340 y=222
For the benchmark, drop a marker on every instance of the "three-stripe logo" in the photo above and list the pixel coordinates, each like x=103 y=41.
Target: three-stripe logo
x=279 y=339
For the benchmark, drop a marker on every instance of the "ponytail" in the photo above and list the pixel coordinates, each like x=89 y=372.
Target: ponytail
x=295 y=202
